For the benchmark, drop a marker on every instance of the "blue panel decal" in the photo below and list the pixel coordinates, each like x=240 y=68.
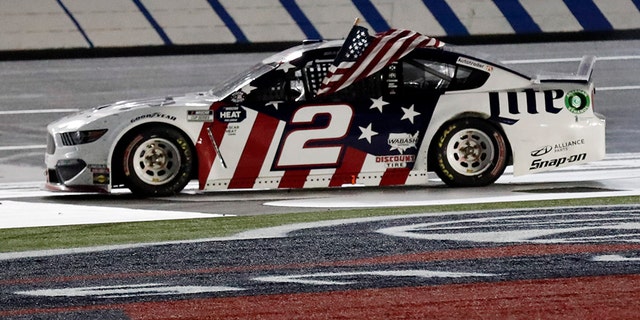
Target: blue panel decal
x=446 y=17
x=76 y=23
x=228 y=21
x=371 y=14
x=517 y=16
x=301 y=19
x=589 y=15
x=153 y=22
x=637 y=3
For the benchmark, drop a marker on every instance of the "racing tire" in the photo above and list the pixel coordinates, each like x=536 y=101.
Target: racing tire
x=157 y=162
x=469 y=152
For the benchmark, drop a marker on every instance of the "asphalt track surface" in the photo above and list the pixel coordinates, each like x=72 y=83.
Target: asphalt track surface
x=536 y=263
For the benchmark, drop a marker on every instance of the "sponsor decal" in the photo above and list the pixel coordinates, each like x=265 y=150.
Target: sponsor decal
x=541 y=164
x=558 y=147
x=577 y=101
x=565 y=146
x=474 y=64
x=396 y=161
x=154 y=115
x=542 y=151
x=200 y=115
x=231 y=114
x=100 y=174
x=238 y=97
x=402 y=141
x=535 y=102
x=99 y=178
x=232 y=129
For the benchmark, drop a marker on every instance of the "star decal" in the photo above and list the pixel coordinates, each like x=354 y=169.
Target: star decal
x=367 y=133
x=285 y=66
x=275 y=104
x=248 y=88
x=378 y=104
x=409 y=113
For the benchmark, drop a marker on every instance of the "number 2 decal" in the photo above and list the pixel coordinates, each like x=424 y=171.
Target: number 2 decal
x=296 y=149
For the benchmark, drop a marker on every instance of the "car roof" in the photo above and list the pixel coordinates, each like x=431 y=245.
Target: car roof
x=310 y=45
x=297 y=51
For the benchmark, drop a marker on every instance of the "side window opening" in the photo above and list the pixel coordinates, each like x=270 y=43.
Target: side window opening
x=278 y=86
x=468 y=78
x=427 y=75
x=270 y=87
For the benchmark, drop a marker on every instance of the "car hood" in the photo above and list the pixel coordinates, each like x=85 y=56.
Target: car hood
x=200 y=99
x=85 y=117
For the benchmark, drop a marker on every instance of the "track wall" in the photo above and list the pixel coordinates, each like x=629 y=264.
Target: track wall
x=68 y=24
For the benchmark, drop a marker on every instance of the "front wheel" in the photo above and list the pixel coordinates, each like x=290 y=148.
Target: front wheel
x=157 y=162
x=469 y=153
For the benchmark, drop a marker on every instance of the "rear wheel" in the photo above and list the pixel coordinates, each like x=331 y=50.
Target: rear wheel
x=469 y=153
x=157 y=162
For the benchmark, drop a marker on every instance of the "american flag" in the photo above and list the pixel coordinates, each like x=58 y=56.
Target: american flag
x=362 y=55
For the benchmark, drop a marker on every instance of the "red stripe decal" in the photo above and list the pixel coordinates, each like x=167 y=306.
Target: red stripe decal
x=351 y=166
x=395 y=176
x=255 y=152
x=204 y=146
x=294 y=178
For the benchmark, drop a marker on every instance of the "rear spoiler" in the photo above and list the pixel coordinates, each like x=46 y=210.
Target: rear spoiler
x=583 y=75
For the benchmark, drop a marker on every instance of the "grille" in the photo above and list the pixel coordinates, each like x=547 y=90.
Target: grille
x=66 y=139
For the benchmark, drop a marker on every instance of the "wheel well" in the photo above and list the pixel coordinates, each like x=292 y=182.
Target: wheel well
x=116 y=165
x=431 y=158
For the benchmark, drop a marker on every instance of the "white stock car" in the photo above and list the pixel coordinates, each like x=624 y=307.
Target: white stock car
x=436 y=109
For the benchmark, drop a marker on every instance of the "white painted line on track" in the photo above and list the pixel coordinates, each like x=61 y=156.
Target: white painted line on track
x=617 y=175
x=15 y=214
x=570 y=59
x=614 y=258
x=618 y=88
x=18 y=148
x=37 y=111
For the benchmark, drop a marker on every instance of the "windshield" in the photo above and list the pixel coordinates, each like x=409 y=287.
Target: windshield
x=235 y=83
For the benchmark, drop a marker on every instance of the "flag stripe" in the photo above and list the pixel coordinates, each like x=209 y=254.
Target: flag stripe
x=255 y=152
x=394 y=48
x=395 y=176
x=370 y=59
x=294 y=178
x=206 y=153
x=384 y=49
x=351 y=165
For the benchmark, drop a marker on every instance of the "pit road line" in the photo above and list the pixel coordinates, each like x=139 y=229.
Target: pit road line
x=18 y=148
x=37 y=111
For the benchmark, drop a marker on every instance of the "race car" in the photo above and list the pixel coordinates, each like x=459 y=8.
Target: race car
x=376 y=110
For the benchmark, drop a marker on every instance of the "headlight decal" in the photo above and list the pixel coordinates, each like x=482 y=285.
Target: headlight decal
x=81 y=137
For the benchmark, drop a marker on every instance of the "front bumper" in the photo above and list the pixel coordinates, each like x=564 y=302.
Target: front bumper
x=75 y=168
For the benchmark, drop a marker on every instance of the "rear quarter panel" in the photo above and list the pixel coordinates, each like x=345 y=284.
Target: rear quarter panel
x=542 y=128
